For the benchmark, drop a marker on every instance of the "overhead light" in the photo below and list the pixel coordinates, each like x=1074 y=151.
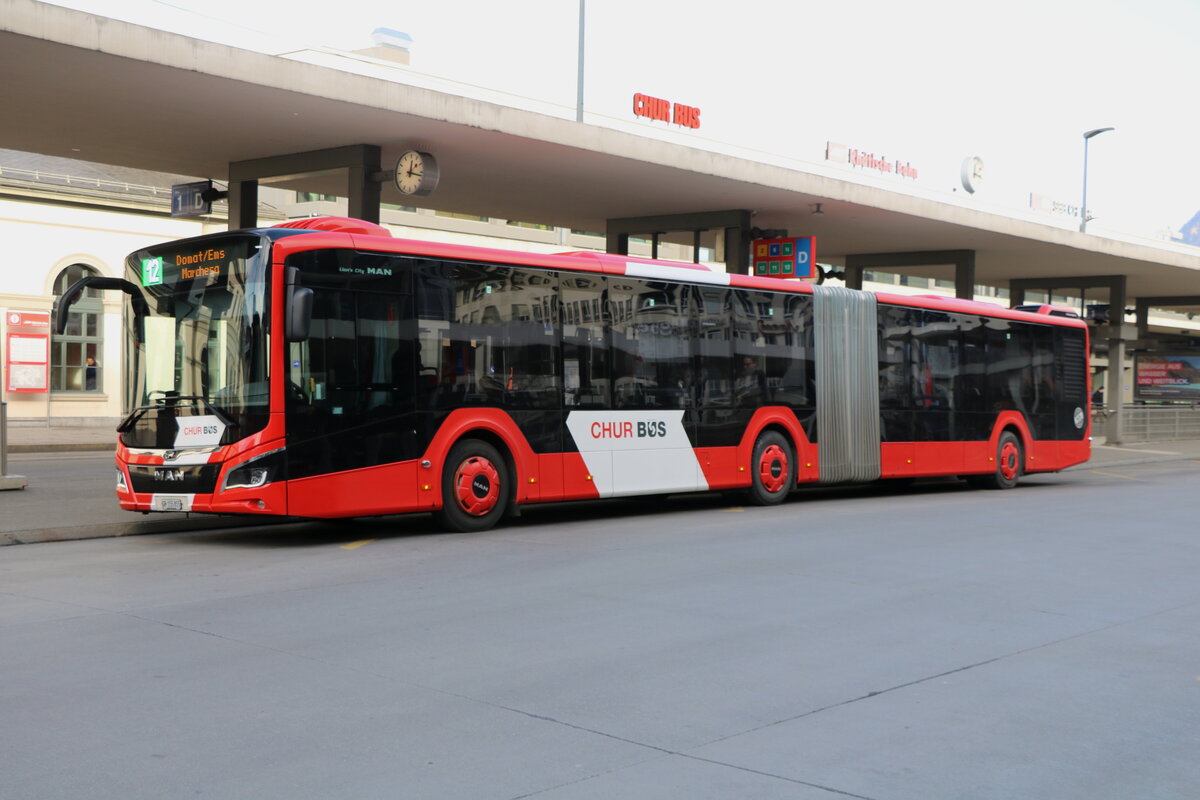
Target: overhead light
x=816 y=209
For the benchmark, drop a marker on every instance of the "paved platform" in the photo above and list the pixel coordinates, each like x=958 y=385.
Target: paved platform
x=61 y=439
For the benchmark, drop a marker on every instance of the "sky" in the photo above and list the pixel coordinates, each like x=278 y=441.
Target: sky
x=928 y=82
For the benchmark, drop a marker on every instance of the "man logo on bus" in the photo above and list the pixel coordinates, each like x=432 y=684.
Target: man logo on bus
x=152 y=271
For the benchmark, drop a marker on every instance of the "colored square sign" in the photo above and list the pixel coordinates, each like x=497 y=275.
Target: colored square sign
x=152 y=271
x=791 y=257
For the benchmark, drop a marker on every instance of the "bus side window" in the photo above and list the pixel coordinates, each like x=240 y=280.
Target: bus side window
x=895 y=357
x=586 y=381
x=650 y=350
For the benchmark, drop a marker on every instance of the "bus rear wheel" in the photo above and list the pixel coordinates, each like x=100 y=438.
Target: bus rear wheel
x=1010 y=463
x=772 y=469
x=475 y=487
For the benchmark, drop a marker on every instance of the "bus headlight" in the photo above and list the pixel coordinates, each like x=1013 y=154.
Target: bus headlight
x=256 y=472
x=122 y=486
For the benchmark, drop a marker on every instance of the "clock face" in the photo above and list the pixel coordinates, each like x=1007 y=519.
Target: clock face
x=416 y=173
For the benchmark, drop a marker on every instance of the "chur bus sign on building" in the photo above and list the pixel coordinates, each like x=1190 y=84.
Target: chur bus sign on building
x=665 y=111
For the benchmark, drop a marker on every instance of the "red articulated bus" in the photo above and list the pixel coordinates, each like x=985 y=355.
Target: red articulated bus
x=325 y=369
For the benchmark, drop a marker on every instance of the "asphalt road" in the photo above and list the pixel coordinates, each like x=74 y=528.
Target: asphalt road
x=933 y=643
x=72 y=496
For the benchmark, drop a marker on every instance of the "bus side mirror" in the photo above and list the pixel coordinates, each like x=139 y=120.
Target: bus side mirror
x=62 y=306
x=299 y=315
x=299 y=309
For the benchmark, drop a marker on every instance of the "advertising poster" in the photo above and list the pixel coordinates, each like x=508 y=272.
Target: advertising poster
x=1167 y=377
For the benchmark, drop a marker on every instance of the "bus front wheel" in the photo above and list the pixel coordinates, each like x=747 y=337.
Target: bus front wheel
x=475 y=487
x=1010 y=463
x=772 y=469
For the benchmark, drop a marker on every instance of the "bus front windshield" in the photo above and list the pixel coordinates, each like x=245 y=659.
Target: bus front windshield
x=200 y=347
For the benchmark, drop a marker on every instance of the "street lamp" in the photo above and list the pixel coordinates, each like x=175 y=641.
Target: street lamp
x=579 y=71
x=1083 y=217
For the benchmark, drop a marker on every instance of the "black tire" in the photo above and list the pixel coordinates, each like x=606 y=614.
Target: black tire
x=1010 y=464
x=772 y=469
x=476 y=489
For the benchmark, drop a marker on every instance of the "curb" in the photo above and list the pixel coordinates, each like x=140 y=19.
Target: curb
x=1133 y=462
x=118 y=529
x=93 y=447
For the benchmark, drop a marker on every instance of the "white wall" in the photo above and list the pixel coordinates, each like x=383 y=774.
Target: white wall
x=40 y=240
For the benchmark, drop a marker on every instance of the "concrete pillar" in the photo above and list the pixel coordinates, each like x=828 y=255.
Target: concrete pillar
x=1116 y=359
x=243 y=204
x=616 y=243
x=1115 y=390
x=737 y=251
x=964 y=274
x=362 y=161
x=365 y=191
x=854 y=276
x=734 y=223
x=963 y=262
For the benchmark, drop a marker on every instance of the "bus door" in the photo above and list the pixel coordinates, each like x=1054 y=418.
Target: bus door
x=646 y=443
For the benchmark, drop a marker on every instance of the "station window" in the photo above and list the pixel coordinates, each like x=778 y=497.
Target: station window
x=75 y=356
x=313 y=197
x=468 y=217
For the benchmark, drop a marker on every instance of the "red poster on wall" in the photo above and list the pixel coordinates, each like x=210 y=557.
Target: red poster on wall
x=27 y=351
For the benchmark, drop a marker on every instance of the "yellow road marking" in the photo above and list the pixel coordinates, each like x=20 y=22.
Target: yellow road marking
x=358 y=544
x=1114 y=475
x=735 y=508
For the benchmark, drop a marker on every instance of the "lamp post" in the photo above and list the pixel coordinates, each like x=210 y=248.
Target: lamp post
x=1083 y=217
x=579 y=73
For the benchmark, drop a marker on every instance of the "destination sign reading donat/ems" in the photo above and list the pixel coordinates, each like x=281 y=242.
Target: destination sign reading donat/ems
x=182 y=266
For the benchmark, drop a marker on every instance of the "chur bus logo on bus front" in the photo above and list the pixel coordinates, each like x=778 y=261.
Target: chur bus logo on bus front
x=152 y=271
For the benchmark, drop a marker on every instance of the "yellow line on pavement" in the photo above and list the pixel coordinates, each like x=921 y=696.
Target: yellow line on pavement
x=1114 y=475
x=358 y=544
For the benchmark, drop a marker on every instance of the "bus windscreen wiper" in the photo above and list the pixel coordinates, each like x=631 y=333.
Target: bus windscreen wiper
x=172 y=400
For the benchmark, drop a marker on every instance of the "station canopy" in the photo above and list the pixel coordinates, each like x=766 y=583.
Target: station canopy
x=90 y=88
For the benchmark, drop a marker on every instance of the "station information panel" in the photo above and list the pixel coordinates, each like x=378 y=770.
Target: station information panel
x=789 y=257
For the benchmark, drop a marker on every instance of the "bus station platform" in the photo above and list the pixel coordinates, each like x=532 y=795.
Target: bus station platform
x=61 y=439
x=40 y=513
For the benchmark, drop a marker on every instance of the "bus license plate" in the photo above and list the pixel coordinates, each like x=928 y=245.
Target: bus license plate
x=169 y=503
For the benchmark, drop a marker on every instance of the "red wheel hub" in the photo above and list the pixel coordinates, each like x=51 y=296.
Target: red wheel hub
x=1010 y=461
x=477 y=486
x=773 y=468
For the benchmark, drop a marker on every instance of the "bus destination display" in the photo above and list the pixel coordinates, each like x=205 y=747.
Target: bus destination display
x=171 y=268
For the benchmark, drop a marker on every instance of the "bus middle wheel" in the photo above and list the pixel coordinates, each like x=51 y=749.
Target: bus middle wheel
x=772 y=469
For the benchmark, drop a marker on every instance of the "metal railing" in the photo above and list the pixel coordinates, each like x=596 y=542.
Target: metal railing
x=1159 y=423
x=77 y=182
